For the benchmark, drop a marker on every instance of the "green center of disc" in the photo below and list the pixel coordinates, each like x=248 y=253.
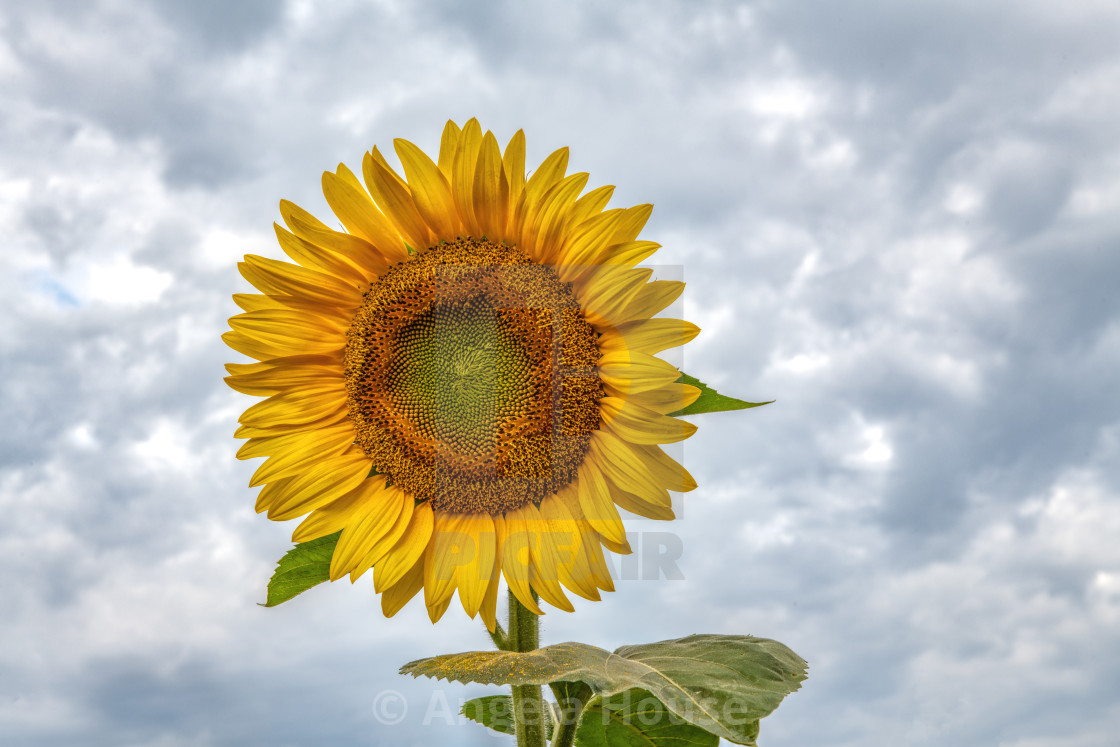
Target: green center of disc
x=459 y=371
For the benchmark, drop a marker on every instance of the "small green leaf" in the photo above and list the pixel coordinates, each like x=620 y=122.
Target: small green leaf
x=635 y=718
x=496 y=712
x=710 y=400
x=721 y=683
x=305 y=565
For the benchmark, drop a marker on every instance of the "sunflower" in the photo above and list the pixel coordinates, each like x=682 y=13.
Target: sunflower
x=462 y=381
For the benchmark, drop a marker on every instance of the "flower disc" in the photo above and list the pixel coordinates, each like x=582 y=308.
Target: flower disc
x=471 y=378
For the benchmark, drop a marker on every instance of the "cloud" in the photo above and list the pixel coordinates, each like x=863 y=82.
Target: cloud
x=897 y=221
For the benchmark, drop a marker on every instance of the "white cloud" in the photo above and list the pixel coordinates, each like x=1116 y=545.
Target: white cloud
x=963 y=199
x=119 y=281
x=880 y=235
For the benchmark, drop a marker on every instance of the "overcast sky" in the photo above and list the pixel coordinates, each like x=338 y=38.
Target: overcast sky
x=901 y=221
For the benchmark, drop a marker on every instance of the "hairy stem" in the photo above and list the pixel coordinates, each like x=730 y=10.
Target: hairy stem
x=571 y=697
x=528 y=707
x=499 y=637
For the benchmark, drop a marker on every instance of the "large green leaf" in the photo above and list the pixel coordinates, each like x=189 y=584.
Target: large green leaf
x=635 y=718
x=496 y=712
x=305 y=565
x=710 y=400
x=724 y=684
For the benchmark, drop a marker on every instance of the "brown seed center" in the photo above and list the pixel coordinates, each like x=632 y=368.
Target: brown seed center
x=471 y=377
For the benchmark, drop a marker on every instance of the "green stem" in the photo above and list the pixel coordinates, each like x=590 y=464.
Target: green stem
x=528 y=707
x=565 y=735
x=499 y=637
x=571 y=698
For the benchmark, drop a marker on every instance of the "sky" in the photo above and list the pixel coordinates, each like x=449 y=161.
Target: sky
x=899 y=221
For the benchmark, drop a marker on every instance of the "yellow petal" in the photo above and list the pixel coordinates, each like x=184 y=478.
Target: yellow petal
x=282 y=278
x=516 y=557
x=331 y=518
x=356 y=211
x=630 y=373
x=394 y=598
x=295 y=408
x=628 y=253
x=344 y=255
x=251 y=347
x=283 y=428
x=313 y=489
x=627 y=470
x=549 y=225
x=408 y=549
x=253 y=301
x=591 y=204
x=309 y=254
x=435 y=611
x=297 y=453
x=462 y=170
x=665 y=399
x=635 y=505
x=448 y=147
x=605 y=292
x=598 y=508
x=594 y=542
x=548 y=174
x=545 y=575
x=587 y=239
x=638 y=425
x=648 y=335
x=392 y=195
x=245 y=369
x=305 y=373
x=472 y=576
x=490 y=602
x=386 y=540
x=333 y=317
x=575 y=571
x=600 y=571
x=633 y=221
x=446 y=551
x=664 y=468
x=378 y=509
x=288 y=327
x=430 y=190
x=652 y=298
x=513 y=164
x=491 y=190
x=292 y=212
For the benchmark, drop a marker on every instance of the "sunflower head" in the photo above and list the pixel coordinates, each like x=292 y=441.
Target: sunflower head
x=462 y=381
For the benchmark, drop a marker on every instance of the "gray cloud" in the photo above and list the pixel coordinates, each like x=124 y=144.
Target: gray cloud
x=898 y=222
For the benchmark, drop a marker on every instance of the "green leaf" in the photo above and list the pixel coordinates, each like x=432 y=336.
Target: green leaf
x=721 y=683
x=305 y=565
x=571 y=697
x=496 y=712
x=635 y=718
x=710 y=400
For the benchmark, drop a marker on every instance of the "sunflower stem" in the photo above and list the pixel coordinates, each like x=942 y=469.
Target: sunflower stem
x=528 y=707
x=499 y=637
